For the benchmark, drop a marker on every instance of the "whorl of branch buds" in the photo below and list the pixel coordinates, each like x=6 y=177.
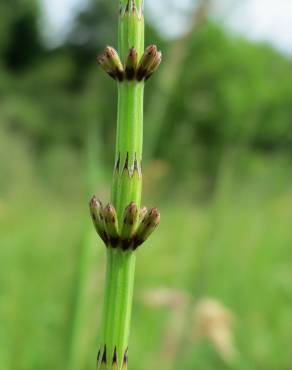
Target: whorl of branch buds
x=110 y=62
x=137 y=225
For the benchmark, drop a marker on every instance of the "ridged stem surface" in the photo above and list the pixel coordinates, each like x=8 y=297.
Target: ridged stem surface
x=117 y=303
x=126 y=188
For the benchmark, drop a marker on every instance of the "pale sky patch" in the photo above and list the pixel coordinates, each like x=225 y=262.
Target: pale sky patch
x=267 y=20
x=58 y=16
x=264 y=20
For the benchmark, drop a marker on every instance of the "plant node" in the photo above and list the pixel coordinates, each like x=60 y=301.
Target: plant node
x=110 y=62
x=137 y=225
x=105 y=362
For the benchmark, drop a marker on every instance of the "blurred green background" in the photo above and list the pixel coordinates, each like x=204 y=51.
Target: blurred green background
x=214 y=284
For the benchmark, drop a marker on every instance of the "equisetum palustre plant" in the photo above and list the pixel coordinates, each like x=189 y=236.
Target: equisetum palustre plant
x=122 y=224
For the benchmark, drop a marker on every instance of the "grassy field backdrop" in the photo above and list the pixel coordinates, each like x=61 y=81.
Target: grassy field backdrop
x=234 y=250
x=214 y=283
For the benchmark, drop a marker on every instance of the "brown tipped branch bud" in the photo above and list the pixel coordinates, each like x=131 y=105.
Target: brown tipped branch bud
x=142 y=213
x=146 y=227
x=111 y=223
x=148 y=62
x=103 y=62
x=115 y=62
x=131 y=64
x=111 y=63
x=155 y=64
x=131 y=215
x=96 y=210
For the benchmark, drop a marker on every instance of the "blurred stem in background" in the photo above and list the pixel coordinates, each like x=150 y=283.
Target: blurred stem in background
x=161 y=98
x=78 y=347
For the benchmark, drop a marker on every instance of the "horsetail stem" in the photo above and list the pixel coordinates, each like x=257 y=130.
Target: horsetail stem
x=122 y=224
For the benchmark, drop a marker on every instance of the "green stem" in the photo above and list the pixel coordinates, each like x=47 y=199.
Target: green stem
x=127 y=180
x=126 y=188
x=117 y=303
